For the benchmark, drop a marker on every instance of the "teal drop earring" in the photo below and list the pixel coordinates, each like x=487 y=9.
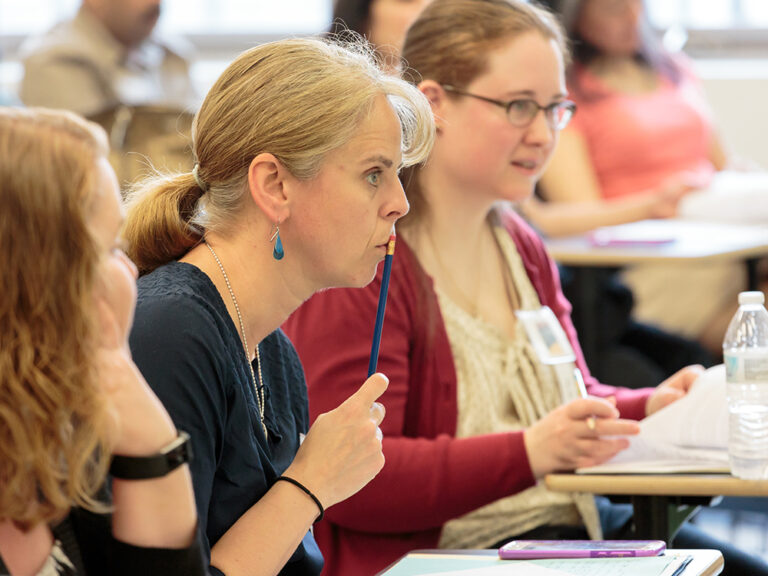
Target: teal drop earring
x=277 y=251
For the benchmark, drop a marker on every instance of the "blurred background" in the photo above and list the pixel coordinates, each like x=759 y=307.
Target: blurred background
x=727 y=39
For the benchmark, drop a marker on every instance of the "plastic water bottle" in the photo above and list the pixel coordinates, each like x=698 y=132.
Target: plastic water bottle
x=745 y=351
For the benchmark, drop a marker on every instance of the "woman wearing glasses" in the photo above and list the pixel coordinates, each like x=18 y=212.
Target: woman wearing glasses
x=475 y=412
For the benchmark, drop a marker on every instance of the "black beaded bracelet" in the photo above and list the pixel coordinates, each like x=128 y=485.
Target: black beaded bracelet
x=307 y=491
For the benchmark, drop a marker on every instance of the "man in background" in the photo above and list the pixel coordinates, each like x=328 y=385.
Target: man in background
x=104 y=57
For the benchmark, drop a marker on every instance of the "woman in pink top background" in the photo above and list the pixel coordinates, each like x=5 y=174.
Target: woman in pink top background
x=643 y=136
x=642 y=139
x=642 y=142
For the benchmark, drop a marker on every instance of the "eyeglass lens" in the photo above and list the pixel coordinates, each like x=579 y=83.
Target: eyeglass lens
x=522 y=113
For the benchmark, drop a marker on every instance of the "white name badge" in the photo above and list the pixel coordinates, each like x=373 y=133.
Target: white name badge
x=546 y=336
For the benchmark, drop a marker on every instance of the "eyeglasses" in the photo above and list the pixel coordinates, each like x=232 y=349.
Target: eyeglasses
x=521 y=112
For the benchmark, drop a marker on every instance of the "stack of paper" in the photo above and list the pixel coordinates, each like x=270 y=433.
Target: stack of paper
x=689 y=435
x=426 y=564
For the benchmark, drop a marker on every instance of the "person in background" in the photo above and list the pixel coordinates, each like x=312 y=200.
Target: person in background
x=644 y=137
x=382 y=22
x=71 y=399
x=621 y=71
x=108 y=55
x=624 y=356
x=298 y=146
x=477 y=339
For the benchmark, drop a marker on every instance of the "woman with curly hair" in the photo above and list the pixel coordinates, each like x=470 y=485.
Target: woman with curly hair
x=72 y=403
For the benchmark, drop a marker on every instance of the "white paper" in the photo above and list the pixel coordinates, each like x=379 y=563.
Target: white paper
x=689 y=435
x=512 y=568
x=647 y=566
x=697 y=420
x=732 y=197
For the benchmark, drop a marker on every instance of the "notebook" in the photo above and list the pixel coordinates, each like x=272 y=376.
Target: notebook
x=427 y=564
x=688 y=436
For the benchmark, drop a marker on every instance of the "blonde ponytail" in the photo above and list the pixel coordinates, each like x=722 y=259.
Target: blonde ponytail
x=159 y=227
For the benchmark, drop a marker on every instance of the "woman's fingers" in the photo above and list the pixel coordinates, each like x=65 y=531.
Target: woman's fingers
x=590 y=452
x=378 y=412
x=342 y=451
x=583 y=408
x=369 y=392
x=614 y=427
x=601 y=454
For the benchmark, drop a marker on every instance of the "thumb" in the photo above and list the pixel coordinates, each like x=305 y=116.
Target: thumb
x=370 y=390
x=672 y=394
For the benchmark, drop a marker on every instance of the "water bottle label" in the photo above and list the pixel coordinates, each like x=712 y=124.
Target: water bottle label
x=746 y=367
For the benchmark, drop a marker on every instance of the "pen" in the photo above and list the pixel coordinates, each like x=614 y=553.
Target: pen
x=374 y=360
x=591 y=424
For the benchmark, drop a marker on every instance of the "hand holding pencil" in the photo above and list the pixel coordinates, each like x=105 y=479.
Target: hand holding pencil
x=579 y=377
x=342 y=451
x=584 y=432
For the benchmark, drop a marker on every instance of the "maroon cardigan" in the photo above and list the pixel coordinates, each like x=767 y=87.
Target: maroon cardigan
x=430 y=476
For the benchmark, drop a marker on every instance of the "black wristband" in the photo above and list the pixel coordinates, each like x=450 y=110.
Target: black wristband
x=307 y=491
x=157 y=465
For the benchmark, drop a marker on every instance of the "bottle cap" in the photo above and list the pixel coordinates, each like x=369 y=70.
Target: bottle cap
x=751 y=298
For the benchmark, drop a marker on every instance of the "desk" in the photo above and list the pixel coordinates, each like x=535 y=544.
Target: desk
x=703 y=563
x=652 y=495
x=692 y=241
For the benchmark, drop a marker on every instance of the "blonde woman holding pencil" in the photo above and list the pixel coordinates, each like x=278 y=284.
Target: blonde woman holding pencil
x=477 y=342
x=298 y=147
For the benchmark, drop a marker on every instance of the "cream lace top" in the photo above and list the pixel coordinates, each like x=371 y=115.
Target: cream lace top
x=503 y=387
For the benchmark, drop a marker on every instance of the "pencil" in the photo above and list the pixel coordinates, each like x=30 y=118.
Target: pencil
x=374 y=360
x=591 y=424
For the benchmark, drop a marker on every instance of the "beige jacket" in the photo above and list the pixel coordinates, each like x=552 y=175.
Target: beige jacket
x=78 y=65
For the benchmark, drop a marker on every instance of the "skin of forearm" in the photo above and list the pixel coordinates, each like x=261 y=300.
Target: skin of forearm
x=264 y=538
x=157 y=513
x=569 y=218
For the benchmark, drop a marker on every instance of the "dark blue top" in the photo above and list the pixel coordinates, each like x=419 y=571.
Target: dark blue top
x=190 y=352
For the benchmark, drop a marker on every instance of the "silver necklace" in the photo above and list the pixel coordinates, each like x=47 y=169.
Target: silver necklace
x=260 y=387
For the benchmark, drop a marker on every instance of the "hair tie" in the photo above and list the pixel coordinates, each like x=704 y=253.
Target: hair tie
x=198 y=180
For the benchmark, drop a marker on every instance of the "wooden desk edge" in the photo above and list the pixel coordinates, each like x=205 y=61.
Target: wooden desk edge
x=607 y=258
x=703 y=563
x=656 y=484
